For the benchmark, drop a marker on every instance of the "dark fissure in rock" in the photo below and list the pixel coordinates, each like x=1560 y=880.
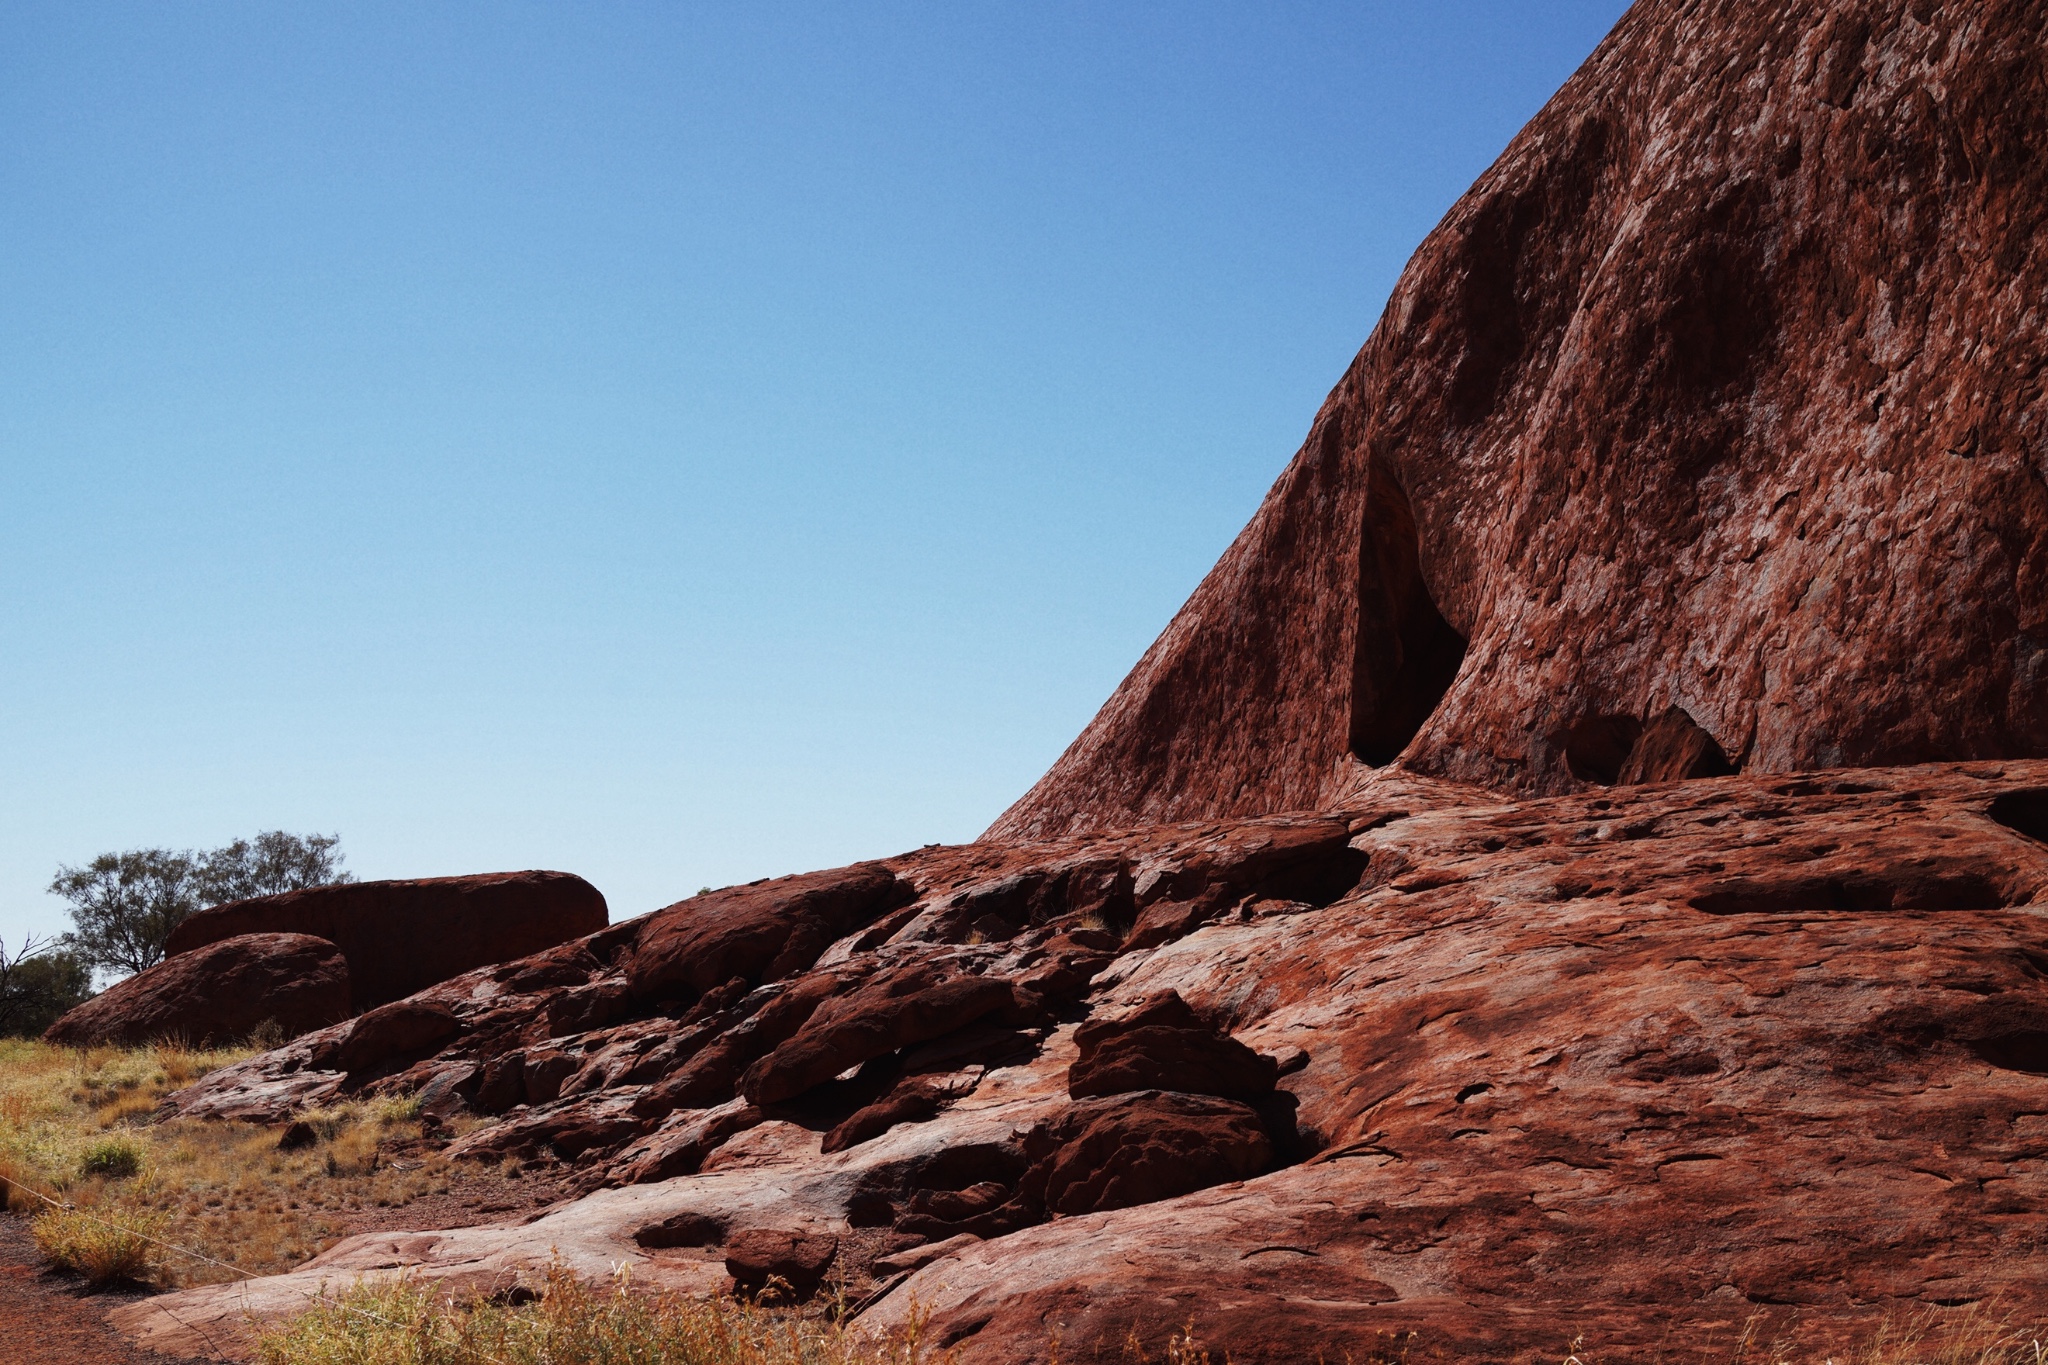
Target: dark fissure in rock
x=1407 y=654
x=1598 y=747
x=2021 y=1050
x=1905 y=890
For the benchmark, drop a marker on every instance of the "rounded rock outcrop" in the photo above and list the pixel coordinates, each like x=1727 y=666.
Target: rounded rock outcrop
x=218 y=993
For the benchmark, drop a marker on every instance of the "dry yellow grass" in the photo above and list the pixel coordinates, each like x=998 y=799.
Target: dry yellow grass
x=103 y=1245
x=572 y=1323
x=1972 y=1335
x=224 y=1189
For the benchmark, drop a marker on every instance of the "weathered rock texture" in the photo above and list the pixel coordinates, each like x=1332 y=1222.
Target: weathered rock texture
x=1636 y=1064
x=1430 y=936
x=402 y=936
x=1721 y=391
x=217 y=994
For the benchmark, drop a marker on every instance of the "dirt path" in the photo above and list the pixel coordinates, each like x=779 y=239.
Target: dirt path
x=51 y=1319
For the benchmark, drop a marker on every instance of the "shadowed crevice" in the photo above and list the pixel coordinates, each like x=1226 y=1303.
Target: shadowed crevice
x=1407 y=654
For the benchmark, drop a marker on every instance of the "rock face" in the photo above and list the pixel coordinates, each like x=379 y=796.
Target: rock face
x=1135 y=1149
x=216 y=994
x=1512 y=902
x=1164 y=1045
x=402 y=936
x=1712 y=416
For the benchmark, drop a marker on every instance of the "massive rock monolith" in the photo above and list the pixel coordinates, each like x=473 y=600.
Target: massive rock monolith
x=1721 y=391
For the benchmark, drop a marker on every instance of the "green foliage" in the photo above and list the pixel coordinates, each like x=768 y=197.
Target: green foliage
x=269 y=865
x=113 y=1158
x=124 y=905
x=37 y=986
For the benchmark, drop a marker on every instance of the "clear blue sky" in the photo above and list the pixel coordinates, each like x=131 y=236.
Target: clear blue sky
x=672 y=443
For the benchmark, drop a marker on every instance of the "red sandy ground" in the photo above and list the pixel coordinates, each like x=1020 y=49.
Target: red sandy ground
x=51 y=1319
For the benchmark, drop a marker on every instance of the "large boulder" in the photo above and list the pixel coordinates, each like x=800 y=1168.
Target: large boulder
x=218 y=993
x=402 y=936
x=798 y=1258
x=1718 y=395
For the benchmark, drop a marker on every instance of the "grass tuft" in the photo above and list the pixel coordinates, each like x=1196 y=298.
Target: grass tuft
x=105 y=1245
x=111 y=1158
x=1971 y=1335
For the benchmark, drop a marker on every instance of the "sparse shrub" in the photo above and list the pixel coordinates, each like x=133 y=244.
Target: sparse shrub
x=267 y=1035
x=223 y=1186
x=103 y=1244
x=398 y=1108
x=111 y=1159
x=179 y=1065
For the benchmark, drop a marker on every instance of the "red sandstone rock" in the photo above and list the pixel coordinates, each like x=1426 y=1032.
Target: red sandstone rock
x=1720 y=392
x=1683 y=1052
x=799 y=1258
x=1120 y=1150
x=911 y=1102
x=760 y=932
x=401 y=1029
x=218 y=994
x=1164 y=1045
x=912 y=1004
x=681 y=1230
x=402 y=936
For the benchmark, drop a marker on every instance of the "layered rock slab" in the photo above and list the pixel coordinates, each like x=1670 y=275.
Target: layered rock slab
x=1721 y=393
x=402 y=936
x=1648 y=1061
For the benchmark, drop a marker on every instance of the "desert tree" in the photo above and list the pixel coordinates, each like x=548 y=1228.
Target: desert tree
x=39 y=982
x=124 y=905
x=268 y=865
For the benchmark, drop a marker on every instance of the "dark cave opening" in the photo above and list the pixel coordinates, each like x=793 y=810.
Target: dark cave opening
x=1619 y=750
x=2023 y=812
x=1406 y=654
